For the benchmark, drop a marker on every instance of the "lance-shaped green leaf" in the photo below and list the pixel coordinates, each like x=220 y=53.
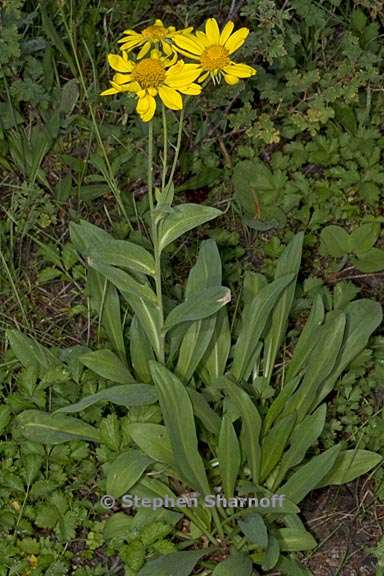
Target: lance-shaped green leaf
x=229 y=456
x=175 y=564
x=85 y=236
x=239 y=564
x=125 y=471
x=149 y=318
x=46 y=428
x=308 y=476
x=307 y=340
x=177 y=412
x=29 y=352
x=290 y=567
x=363 y=317
x=107 y=365
x=251 y=426
x=254 y=320
x=294 y=540
x=254 y=529
x=197 y=307
x=105 y=300
x=124 y=254
x=288 y=263
x=153 y=440
x=320 y=363
x=215 y=359
x=125 y=395
x=280 y=402
x=204 y=412
x=182 y=219
x=141 y=351
x=123 y=281
x=349 y=465
x=274 y=444
x=303 y=437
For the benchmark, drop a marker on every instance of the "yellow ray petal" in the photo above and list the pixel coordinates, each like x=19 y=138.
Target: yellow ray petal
x=189 y=43
x=236 y=40
x=212 y=31
x=144 y=50
x=231 y=80
x=132 y=43
x=203 y=39
x=191 y=89
x=131 y=32
x=226 y=32
x=146 y=107
x=119 y=64
x=170 y=98
x=109 y=92
x=122 y=78
x=239 y=70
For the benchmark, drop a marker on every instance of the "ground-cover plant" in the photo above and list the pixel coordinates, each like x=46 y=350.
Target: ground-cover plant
x=241 y=404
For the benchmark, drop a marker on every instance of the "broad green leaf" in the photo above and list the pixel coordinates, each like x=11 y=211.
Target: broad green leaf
x=255 y=530
x=153 y=440
x=176 y=564
x=320 y=363
x=125 y=471
x=123 y=281
x=207 y=271
x=215 y=359
x=207 y=302
x=307 y=340
x=149 y=318
x=107 y=365
x=288 y=263
x=251 y=426
x=335 y=241
x=371 y=261
x=178 y=416
x=204 y=412
x=292 y=540
x=303 y=437
x=229 y=456
x=124 y=395
x=254 y=319
x=364 y=238
x=29 y=352
x=182 y=219
x=237 y=564
x=124 y=254
x=141 y=351
x=308 y=476
x=363 y=317
x=274 y=443
x=349 y=465
x=54 y=429
x=105 y=300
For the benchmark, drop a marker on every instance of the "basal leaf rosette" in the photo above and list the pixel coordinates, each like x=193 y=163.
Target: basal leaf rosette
x=212 y=50
x=152 y=77
x=156 y=36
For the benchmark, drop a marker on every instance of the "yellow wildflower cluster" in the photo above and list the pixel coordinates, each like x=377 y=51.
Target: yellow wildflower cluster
x=157 y=70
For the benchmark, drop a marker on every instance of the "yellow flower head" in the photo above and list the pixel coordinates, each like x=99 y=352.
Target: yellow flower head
x=155 y=36
x=150 y=77
x=213 y=49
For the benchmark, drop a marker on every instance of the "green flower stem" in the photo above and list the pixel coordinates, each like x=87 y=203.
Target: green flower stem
x=178 y=145
x=165 y=149
x=217 y=521
x=155 y=240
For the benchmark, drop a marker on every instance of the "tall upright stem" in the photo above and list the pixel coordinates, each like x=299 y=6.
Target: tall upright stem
x=165 y=149
x=155 y=240
x=178 y=145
